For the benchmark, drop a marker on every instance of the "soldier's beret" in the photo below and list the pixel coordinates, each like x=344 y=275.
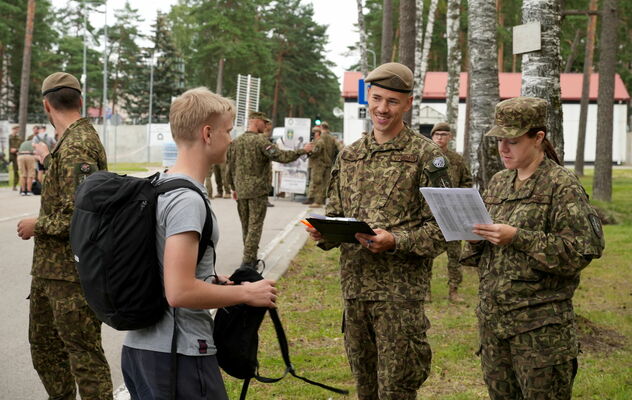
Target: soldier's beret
x=392 y=76
x=441 y=126
x=258 y=115
x=515 y=117
x=324 y=125
x=60 y=80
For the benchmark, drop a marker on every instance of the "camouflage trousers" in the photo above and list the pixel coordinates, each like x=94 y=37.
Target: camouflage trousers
x=65 y=338
x=318 y=183
x=387 y=348
x=219 y=170
x=537 y=365
x=455 y=273
x=16 y=172
x=252 y=212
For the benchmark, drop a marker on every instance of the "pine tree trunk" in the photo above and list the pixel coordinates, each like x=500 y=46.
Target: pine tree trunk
x=277 y=88
x=573 y=53
x=583 y=108
x=420 y=69
x=419 y=43
x=364 y=65
x=387 y=32
x=484 y=160
x=602 y=181
x=541 y=69
x=454 y=64
x=26 y=67
x=219 y=86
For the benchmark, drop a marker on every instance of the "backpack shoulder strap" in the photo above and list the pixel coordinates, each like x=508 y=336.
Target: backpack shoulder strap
x=207 y=231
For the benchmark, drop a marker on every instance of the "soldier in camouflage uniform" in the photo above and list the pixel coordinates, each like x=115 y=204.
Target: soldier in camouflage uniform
x=64 y=334
x=384 y=277
x=14 y=144
x=544 y=233
x=223 y=190
x=460 y=176
x=320 y=162
x=248 y=175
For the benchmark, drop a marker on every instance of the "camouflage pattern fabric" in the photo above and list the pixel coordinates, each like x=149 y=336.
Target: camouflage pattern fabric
x=537 y=365
x=65 y=338
x=252 y=212
x=460 y=175
x=526 y=287
x=219 y=170
x=530 y=282
x=14 y=143
x=78 y=154
x=320 y=162
x=249 y=164
x=455 y=274
x=395 y=328
x=379 y=184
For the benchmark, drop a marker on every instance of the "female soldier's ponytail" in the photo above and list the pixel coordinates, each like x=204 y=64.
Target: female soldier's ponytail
x=547 y=146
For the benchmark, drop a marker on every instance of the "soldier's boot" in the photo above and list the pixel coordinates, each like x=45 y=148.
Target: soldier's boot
x=453 y=295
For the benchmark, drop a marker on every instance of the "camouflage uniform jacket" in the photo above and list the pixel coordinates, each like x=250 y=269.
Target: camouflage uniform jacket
x=379 y=184
x=324 y=153
x=14 y=143
x=249 y=164
x=459 y=172
x=78 y=154
x=530 y=282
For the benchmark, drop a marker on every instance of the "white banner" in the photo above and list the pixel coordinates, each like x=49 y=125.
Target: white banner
x=294 y=174
x=293 y=182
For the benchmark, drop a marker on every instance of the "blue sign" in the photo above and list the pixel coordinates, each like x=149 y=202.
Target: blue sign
x=363 y=97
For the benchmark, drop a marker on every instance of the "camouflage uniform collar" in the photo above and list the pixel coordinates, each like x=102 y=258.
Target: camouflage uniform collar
x=399 y=142
x=530 y=186
x=71 y=127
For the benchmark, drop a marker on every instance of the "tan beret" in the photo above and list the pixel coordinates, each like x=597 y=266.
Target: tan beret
x=517 y=116
x=440 y=126
x=60 y=80
x=324 y=125
x=392 y=76
x=258 y=115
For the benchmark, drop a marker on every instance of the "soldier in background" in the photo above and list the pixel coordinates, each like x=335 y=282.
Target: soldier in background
x=384 y=277
x=249 y=165
x=321 y=161
x=223 y=189
x=14 y=144
x=460 y=177
x=544 y=233
x=64 y=334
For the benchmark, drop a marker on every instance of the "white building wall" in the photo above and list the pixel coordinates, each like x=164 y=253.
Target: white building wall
x=353 y=126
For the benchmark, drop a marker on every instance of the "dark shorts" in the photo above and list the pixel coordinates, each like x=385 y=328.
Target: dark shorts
x=146 y=374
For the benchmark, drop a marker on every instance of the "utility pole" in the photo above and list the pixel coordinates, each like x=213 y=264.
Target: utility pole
x=84 y=75
x=151 y=100
x=26 y=67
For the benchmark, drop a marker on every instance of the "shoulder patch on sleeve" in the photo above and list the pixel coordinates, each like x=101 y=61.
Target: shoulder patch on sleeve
x=82 y=170
x=439 y=162
x=595 y=222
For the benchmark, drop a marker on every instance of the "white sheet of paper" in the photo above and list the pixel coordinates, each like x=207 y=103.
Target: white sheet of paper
x=456 y=210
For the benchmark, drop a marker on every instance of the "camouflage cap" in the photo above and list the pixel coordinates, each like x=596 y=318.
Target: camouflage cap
x=515 y=117
x=324 y=125
x=60 y=80
x=258 y=115
x=440 y=126
x=392 y=76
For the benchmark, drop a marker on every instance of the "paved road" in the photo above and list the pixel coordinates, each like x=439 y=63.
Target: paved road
x=281 y=239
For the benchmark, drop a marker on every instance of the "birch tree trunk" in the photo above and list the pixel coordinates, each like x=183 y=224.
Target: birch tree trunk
x=484 y=160
x=454 y=64
x=419 y=41
x=602 y=181
x=583 y=108
x=387 y=32
x=407 y=39
x=541 y=69
x=364 y=65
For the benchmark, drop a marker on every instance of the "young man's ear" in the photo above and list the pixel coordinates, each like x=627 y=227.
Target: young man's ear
x=207 y=130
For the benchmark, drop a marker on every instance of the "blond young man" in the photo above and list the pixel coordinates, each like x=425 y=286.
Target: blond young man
x=200 y=122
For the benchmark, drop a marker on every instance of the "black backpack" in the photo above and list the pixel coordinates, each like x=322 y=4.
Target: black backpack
x=113 y=239
x=236 y=338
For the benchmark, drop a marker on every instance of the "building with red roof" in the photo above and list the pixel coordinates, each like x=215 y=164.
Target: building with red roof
x=433 y=109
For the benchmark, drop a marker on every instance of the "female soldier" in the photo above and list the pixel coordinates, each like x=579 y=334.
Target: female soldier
x=545 y=233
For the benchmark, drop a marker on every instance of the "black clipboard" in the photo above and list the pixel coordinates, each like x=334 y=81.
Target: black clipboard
x=338 y=231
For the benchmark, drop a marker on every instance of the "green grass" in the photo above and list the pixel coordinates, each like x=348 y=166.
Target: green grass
x=311 y=309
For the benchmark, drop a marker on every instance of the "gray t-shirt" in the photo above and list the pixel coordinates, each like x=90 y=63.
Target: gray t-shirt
x=179 y=211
